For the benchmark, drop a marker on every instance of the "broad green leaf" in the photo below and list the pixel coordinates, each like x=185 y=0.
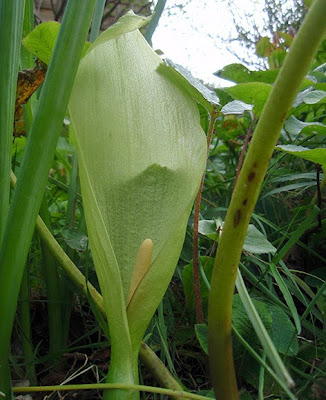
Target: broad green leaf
x=238 y=73
x=40 y=42
x=255 y=242
x=276 y=58
x=317 y=156
x=264 y=47
x=236 y=107
x=209 y=227
x=315 y=96
x=201 y=333
x=142 y=153
x=255 y=93
x=241 y=321
x=295 y=127
x=283 y=332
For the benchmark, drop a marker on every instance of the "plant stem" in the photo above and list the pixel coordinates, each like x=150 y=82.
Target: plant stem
x=11 y=26
x=245 y=196
x=159 y=8
x=35 y=167
x=97 y=18
x=123 y=386
x=244 y=148
x=195 y=258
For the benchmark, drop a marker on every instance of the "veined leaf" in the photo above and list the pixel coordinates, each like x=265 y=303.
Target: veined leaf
x=40 y=42
x=317 y=156
x=142 y=154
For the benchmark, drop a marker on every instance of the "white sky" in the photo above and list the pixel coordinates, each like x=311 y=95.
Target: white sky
x=189 y=38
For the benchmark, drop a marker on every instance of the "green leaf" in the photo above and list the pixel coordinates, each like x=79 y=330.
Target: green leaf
x=317 y=156
x=255 y=93
x=283 y=332
x=180 y=76
x=264 y=47
x=314 y=96
x=276 y=59
x=236 y=107
x=209 y=227
x=201 y=333
x=295 y=127
x=142 y=154
x=238 y=73
x=256 y=242
x=40 y=42
x=242 y=323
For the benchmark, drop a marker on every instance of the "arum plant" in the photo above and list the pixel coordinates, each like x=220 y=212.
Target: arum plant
x=142 y=153
x=245 y=196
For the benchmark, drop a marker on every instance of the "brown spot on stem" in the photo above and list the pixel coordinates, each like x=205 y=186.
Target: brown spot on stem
x=283 y=118
x=245 y=202
x=255 y=165
x=236 y=218
x=251 y=176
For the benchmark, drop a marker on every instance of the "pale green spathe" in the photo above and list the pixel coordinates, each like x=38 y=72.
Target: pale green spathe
x=142 y=153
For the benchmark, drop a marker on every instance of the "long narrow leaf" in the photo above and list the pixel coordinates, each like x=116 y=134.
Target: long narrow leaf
x=11 y=25
x=35 y=167
x=261 y=332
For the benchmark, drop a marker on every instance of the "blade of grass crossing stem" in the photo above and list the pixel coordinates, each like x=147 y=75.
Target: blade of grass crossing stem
x=35 y=167
x=97 y=19
x=11 y=26
x=261 y=332
x=287 y=295
x=262 y=362
x=295 y=236
x=245 y=195
x=159 y=8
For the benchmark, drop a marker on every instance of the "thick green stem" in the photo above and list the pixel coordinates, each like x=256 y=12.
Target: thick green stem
x=35 y=167
x=11 y=25
x=245 y=196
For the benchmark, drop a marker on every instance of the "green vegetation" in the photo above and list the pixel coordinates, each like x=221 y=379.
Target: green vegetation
x=122 y=134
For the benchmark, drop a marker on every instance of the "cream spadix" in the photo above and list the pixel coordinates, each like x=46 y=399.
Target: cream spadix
x=142 y=153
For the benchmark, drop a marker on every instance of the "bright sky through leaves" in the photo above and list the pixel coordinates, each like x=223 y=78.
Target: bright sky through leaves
x=189 y=34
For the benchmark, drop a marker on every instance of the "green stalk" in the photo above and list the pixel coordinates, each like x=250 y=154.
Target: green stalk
x=245 y=196
x=26 y=57
x=35 y=167
x=11 y=25
x=121 y=386
x=97 y=18
x=159 y=8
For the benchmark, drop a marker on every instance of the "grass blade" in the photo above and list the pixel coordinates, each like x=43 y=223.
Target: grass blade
x=262 y=333
x=36 y=163
x=11 y=25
